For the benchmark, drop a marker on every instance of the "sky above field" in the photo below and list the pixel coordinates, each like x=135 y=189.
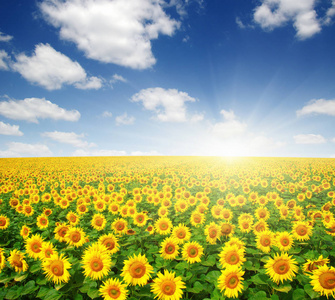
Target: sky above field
x=173 y=77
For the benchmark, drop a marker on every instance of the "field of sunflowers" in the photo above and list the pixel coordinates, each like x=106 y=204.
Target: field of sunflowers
x=167 y=228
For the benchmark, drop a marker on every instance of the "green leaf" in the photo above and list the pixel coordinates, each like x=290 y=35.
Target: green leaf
x=87 y=285
x=213 y=276
x=29 y=288
x=259 y=279
x=78 y=297
x=311 y=293
x=42 y=292
x=298 y=294
x=299 y=259
x=181 y=266
x=210 y=261
x=197 y=288
x=274 y=297
x=12 y=293
x=53 y=295
x=35 y=267
x=93 y=293
x=41 y=280
x=261 y=295
x=21 y=277
x=248 y=265
x=283 y=288
x=265 y=259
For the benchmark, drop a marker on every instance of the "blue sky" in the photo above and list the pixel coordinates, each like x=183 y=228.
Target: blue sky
x=173 y=77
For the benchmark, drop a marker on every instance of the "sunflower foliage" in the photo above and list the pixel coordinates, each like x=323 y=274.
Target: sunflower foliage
x=167 y=228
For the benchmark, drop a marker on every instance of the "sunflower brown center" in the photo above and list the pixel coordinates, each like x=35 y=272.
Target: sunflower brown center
x=284 y=241
x=109 y=243
x=114 y=292
x=120 y=226
x=301 y=230
x=36 y=247
x=213 y=233
x=96 y=264
x=17 y=262
x=3 y=222
x=168 y=288
x=281 y=267
x=137 y=270
x=232 y=281
x=226 y=229
x=245 y=225
x=75 y=237
x=192 y=252
x=170 y=248
x=163 y=226
x=57 y=268
x=327 y=280
x=181 y=234
x=265 y=241
x=232 y=258
x=98 y=221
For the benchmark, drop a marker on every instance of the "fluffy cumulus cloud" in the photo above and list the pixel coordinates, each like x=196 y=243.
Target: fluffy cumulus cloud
x=5 y=37
x=316 y=107
x=330 y=14
x=32 y=109
x=7 y=129
x=168 y=105
x=309 y=139
x=275 y=13
x=15 y=149
x=71 y=138
x=52 y=69
x=230 y=127
x=4 y=60
x=118 y=31
x=124 y=120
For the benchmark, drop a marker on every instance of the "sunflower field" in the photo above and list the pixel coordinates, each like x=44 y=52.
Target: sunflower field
x=167 y=228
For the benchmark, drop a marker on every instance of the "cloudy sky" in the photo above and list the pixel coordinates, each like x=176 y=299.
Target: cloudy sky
x=167 y=77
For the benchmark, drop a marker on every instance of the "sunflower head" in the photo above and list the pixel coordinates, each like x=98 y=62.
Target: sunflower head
x=169 y=248
x=230 y=281
x=167 y=286
x=56 y=268
x=323 y=281
x=113 y=289
x=192 y=252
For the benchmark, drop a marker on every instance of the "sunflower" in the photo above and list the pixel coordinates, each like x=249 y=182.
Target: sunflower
x=98 y=222
x=260 y=226
x=323 y=281
x=227 y=214
x=140 y=219
x=169 y=248
x=312 y=265
x=136 y=270
x=150 y=229
x=302 y=231
x=2 y=259
x=236 y=241
x=212 y=232
x=167 y=286
x=163 y=211
x=262 y=213
x=60 y=232
x=56 y=268
x=73 y=218
x=284 y=241
x=82 y=209
x=42 y=221
x=113 y=289
x=181 y=233
x=264 y=240
x=34 y=246
x=231 y=256
x=192 y=252
x=163 y=226
x=48 y=249
x=230 y=281
x=17 y=261
x=227 y=229
x=197 y=218
x=245 y=225
x=110 y=242
x=96 y=262
x=114 y=208
x=4 y=222
x=281 y=267
x=25 y=231
x=120 y=226
x=75 y=236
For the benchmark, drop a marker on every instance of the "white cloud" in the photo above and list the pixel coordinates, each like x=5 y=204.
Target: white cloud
x=318 y=106
x=239 y=23
x=275 y=13
x=70 y=138
x=197 y=118
x=309 y=139
x=7 y=129
x=4 y=60
x=52 y=69
x=16 y=149
x=169 y=105
x=231 y=127
x=124 y=120
x=330 y=14
x=82 y=152
x=116 y=31
x=117 y=78
x=5 y=37
x=32 y=109
x=107 y=114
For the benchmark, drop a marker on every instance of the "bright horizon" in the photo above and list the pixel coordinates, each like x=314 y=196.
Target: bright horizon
x=172 y=78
